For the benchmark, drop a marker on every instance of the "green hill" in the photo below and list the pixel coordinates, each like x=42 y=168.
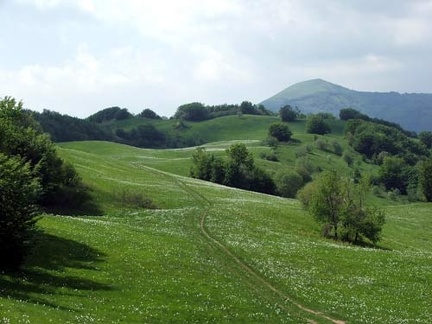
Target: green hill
x=208 y=253
x=412 y=111
x=167 y=248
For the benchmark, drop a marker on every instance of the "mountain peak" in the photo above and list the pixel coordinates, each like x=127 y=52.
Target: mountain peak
x=310 y=87
x=413 y=111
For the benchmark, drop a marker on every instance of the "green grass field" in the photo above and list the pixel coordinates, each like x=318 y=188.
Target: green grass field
x=208 y=253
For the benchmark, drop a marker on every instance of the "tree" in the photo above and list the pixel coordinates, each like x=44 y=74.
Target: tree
x=194 y=111
x=148 y=113
x=280 y=131
x=18 y=193
x=237 y=171
x=394 y=174
x=288 y=114
x=358 y=220
x=315 y=124
x=21 y=137
x=326 y=203
x=426 y=179
x=246 y=107
x=340 y=205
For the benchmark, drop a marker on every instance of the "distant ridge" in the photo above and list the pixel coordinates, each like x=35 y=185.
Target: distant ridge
x=412 y=111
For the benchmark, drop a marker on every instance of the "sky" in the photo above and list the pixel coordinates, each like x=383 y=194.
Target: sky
x=77 y=57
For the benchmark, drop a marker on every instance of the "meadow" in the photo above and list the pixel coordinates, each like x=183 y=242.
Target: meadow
x=208 y=253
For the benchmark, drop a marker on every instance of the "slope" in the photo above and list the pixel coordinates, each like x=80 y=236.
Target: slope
x=210 y=254
x=412 y=111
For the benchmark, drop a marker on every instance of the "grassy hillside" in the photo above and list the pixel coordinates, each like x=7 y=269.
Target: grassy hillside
x=208 y=253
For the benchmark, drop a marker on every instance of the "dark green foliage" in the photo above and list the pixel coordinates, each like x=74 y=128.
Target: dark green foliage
x=237 y=171
x=194 y=111
x=326 y=202
x=63 y=128
x=315 y=124
x=18 y=194
x=370 y=139
x=426 y=139
x=148 y=113
x=280 y=131
x=394 y=173
x=359 y=220
x=288 y=114
x=145 y=135
x=19 y=137
x=197 y=111
x=288 y=183
x=109 y=114
x=31 y=173
x=340 y=206
x=426 y=179
x=350 y=113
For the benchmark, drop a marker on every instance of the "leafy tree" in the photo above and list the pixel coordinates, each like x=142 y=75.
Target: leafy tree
x=148 y=113
x=394 y=174
x=288 y=114
x=341 y=206
x=194 y=111
x=326 y=204
x=238 y=171
x=122 y=114
x=19 y=191
x=315 y=124
x=426 y=179
x=280 y=131
x=108 y=114
x=359 y=220
x=247 y=107
x=20 y=137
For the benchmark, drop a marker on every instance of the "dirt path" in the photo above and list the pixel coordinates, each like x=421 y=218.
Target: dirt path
x=206 y=204
x=245 y=267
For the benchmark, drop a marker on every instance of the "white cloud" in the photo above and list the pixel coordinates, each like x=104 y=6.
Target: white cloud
x=160 y=54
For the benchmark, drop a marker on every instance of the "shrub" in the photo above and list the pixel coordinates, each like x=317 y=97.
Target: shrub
x=280 y=131
x=288 y=183
x=304 y=195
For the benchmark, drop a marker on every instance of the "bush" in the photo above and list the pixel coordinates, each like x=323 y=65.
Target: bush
x=280 y=131
x=288 y=183
x=304 y=195
x=315 y=124
x=288 y=114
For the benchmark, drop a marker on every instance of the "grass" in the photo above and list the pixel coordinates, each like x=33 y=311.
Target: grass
x=263 y=255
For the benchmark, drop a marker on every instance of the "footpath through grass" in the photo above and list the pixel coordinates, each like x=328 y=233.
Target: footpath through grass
x=157 y=266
